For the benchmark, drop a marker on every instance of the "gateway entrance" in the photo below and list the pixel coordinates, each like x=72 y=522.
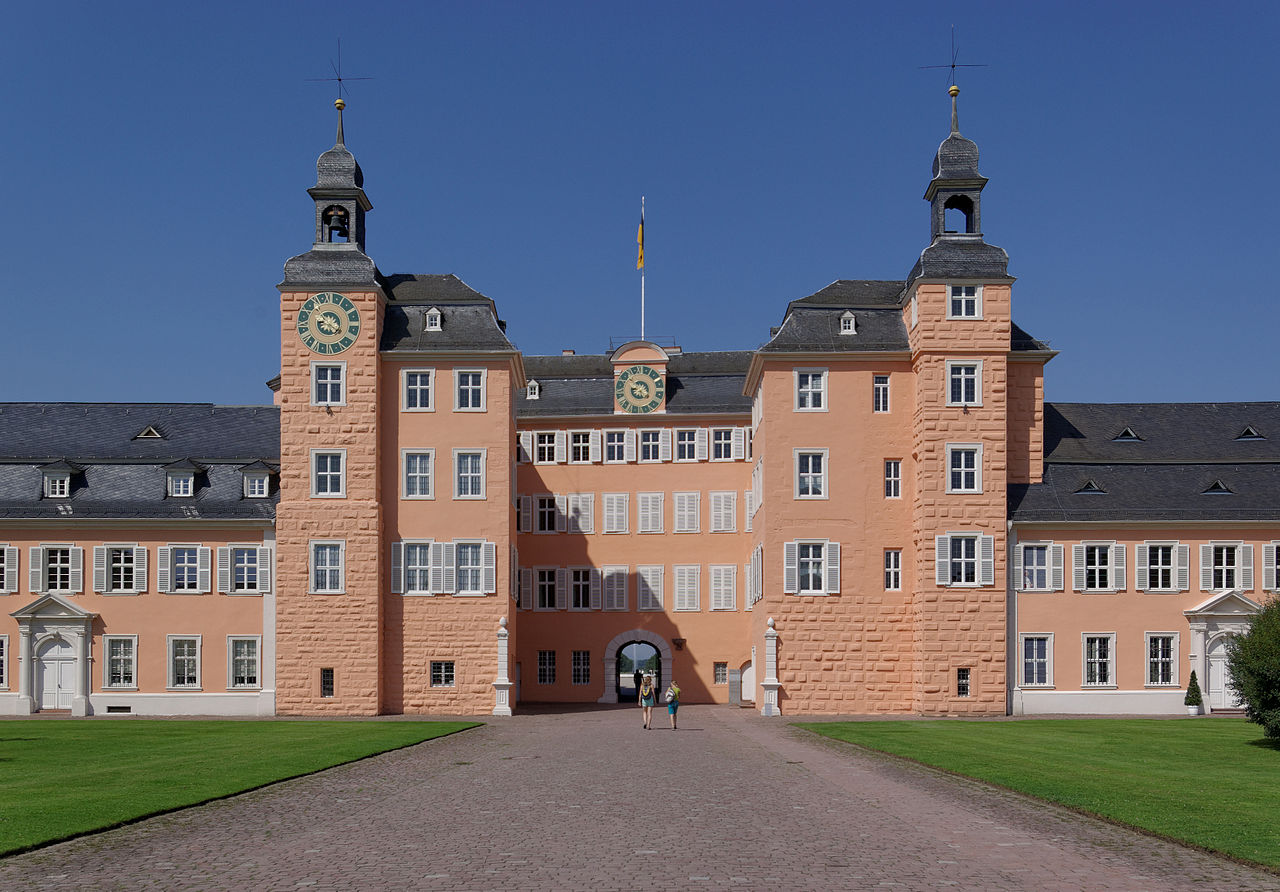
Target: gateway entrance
x=55 y=674
x=634 y=659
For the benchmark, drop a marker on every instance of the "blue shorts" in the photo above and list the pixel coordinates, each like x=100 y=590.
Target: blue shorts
x=673 y=706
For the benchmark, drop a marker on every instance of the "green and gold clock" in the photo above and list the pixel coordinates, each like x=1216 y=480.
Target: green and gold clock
x=328 y=323
x=639 y=389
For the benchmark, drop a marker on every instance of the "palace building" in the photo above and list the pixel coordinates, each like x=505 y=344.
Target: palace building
x=873 y=512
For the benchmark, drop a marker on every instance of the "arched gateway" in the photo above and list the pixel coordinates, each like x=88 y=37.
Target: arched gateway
x=620 y=641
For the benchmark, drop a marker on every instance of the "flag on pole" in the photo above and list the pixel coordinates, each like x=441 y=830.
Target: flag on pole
x=640 y=241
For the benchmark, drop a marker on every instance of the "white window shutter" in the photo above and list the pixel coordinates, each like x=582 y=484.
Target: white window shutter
x=833 y=568
x=140 y=569
x=204 y=569
x=489 y=567
x=790 y=568
x=1206 y=567
x=942 y=560
x=700 y=444
x=99 y=568
x=264 y=568
x=1140 y=566
x=562 y=513
x=35 y=569
x=1246 y=567
x=748 y=505
x=562 y=448
x=987 y=560
x=77 y=569
x=664 y=445
x=526 y=513
x=1077 y=567
x=629 y=446
x=562 y=589
x=164 y=560
x=525 y=453
x=397 y=568
x=10 y=568
x=1184 y=567
x=586 y=512
x=1015 y=568
x=1268 y=567
x=1118 y=569
x=436 y=571
x=739 y=443
x=593 y=448
x=1056 y=557
x=526 y=589
x=596 y=582
x=224 y=569
x=450 y=569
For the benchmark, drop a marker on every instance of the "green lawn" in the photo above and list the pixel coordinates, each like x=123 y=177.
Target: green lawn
x=1214 y=783
x=64 y=778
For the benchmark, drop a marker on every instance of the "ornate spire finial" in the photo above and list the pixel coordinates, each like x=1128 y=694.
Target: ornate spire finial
x=339 y=104
x=955 y=117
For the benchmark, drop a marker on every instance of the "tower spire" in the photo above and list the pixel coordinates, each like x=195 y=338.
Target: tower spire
x=953 y=90
x=339 y=104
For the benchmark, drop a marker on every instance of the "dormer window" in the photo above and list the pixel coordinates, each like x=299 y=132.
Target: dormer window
x=847 y=324
x=256 y=486
x=1090 y=487
x=431 y=320
x=1249 y=433
x=150 y=432
x=534 y=390
x=57 y=485
x=1127 y=436
x=1217 y=488
x=182 y=484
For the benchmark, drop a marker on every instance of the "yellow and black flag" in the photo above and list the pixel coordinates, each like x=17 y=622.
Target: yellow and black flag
x=640 y=240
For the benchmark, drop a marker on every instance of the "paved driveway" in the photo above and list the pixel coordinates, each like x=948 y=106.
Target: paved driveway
x=590 y=800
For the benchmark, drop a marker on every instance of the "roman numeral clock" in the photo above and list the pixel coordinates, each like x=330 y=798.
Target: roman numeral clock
x=328 y=323
x=639 y=389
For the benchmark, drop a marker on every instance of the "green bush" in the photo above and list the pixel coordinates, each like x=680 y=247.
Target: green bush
x=1193 y=697
x=1254 y=662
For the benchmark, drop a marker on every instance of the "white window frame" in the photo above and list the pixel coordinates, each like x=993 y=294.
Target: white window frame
x=480 y=568
x=580 y=581
x=977 y=301
x=585 y=444
x=341 y=366
x=180 y=484
x=822 y=477
x=257 y=660
x=1179 y=566
x=880 y=404
x=1110 y=683
x=405 y=389
x=342 y=474
x=644 y=507
x=544 y=444
x=687 y=506
x=430 y=455
x=257 y=485
x=106 y=662
x=691 y=435
x=553 y=578
x=649 y=598
x=805 y=397
x=422 y=570
x=893 y=478
x=723 y=582
x=341 y=568
x=893 y=569
x=724 y=511
x=828 y=571
x=57 y=485
x=1174 y=657
x=1048 y=661
x=656 y=444
x=722 y=437
x=1054 y=568
x=614 y=586
x=457 y=390
x=953 y=374
x=620 y=436
x=450 y=672
x=483 y=452
x=617 y=506
x=546 y=507
x=432 y=319
x=1116 y=572
x=9 y=578
x=687 y=582
x=170 y=679
x=965 y=448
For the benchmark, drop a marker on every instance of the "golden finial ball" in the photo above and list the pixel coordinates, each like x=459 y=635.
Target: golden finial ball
x=339 y=104
x=954 y=90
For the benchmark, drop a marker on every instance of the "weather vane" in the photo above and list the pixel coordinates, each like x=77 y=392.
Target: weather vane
x=338 y=76
x=955 y=54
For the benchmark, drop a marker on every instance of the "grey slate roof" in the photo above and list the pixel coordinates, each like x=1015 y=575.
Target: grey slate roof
x=1170 y=432
x=855 y=293
x=817 y=329
x=463 y=327
x=430 y=288
x=960 y=257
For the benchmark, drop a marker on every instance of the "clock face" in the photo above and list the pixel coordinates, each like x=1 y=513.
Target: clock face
x=639 y=389
x=328 y=323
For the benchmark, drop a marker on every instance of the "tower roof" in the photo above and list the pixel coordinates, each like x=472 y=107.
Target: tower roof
x=337 y=168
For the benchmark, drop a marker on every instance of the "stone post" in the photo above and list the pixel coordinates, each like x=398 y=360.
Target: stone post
x=502 y=684
x=770 y=684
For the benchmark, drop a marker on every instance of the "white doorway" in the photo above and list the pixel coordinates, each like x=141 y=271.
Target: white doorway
x=748 y=683
x=1222 y=695
x=55 y=674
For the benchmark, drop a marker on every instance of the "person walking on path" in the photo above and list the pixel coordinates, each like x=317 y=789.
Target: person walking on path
x=648 y=696
x=673 y=702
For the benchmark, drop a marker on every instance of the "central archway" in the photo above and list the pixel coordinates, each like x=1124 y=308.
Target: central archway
x=612 y=651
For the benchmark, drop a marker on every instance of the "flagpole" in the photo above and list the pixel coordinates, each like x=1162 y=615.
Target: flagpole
x=642 y=268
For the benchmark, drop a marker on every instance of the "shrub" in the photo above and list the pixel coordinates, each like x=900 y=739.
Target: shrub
x=1253 y=660
x=1193 y=697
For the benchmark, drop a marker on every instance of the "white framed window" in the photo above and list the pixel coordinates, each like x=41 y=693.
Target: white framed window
x=686 y=445
x=581 y=672
x=468 y=473
x=411 y=567
x=583 y=590
x=688 y=510
x=119 y=569
x=811 y=390
x=1098 y=567
x=964 y=382
x=470 y=568
x=1162 y=659
x=546 y=667
x=1038 y=567
x=1225 y=565
x=57 y=485
x=649 y=587
x=243 y=664
x=722 y=439
x=892 y=570
x=580 y=513
x=120 y=663
x=879 y=393
x=418 y=389
x=688 y=581
x=257 y=485
x=431 y=319
x=544 y=447
x=964 y=302
x=811 y=473
x=719 y=673
x=8 y=569
x=442 y=674
x=329 y=473
x=811 y=567
x=617 y=512
x=58 y=569
x=724 y=586
x=1099 y=660
x=328 y=567
x=419 y=473
x=184 y=662
x=892 y=478
x=615 y=446
x=1037 y=660
x=469 y=390
x=963 y=558
x=533 y=390
x=651 y=445
x=614 y=582
x=580 y=447
x=183 y=569
x=244 y=569
x=964 y=467
x=964 y=676
x=328 y=383
x=650 y=510
x=547 y=592
x=724 y=512
x=547 y=516
x=1162 y=567
x=181 y=484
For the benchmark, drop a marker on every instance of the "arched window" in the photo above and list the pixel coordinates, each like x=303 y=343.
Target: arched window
x=958 y=214
x=336 y=224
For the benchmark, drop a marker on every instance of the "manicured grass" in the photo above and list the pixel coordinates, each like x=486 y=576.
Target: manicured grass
x=1213 y=783
x=64 y=778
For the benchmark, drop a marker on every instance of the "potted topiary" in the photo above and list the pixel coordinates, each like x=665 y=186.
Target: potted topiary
x=1193 y=700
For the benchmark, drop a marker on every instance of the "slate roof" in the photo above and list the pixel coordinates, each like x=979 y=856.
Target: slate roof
x=817 y=330
x=855 y=293
x=468 y=319
x=961 y=257
x=1169 y=432
x=428 y=289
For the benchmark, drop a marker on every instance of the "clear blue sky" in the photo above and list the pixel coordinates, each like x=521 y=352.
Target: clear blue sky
x=157 y=156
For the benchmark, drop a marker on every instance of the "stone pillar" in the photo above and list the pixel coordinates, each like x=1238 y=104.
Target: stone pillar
x=80 y=697
x=770 y=684
x=26 y=670
x=502 y=684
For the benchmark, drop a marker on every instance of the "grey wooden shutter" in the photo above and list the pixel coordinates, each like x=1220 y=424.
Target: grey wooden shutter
x=164 y=560
x=833 y=568
x=739 y=443
x=489 y=567
x=942 y=560
x=1268 y=567
x=526 y=514
x=35 y=569
x=700 y=444
x=593 y=448
x=562 y=448
x=449 y=569
x=526 y=589
x=525 y=451
x=224 y=568
x=1246 y=567
x=77 y=569
x=596 y=582
x=99 y=568
x=562 y=513
x=790 y=568
x=1056 y=557
x=664 y=445
x=10 y=568
x=1118 y=569
x=1206 y=567
x=1015 y=568
x=987 y=560
x=1140 y=567
x=1077 y=567
x=397 y=568
x=1184 y=567
x=436 y=569
x=140 y=569
x=562 y=589
x=264 y=568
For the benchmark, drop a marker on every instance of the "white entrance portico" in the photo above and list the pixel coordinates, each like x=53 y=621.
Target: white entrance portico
x=53 y=656
x=1213 y=623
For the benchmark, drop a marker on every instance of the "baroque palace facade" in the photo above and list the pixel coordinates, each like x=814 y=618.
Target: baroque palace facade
x=873 y=512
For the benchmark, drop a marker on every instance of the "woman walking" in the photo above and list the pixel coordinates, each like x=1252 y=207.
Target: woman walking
x=673 y=703
x=648 y=696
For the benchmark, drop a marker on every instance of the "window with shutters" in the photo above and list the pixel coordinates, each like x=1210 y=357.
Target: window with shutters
x=468 y=474
x=724 y=587
x=184 y=661
x=184 y=568
x=1225 y=570
x=581 y=671
x=892 y=478
x=58 y=569
x=121 y=669
x=546 y=588
x=1162 y=567
x=580 y=447
x=327 y=571
x=418 y=385
x=686 y=445
x=879 y=393
x=580 y=588
x=327 y=383
x=469 y=390
x=1226 y=565
x=810 y=567
x=1162 y=659
x=1037 y=660
x=328 y=477
x=616 y=512
x=687 y=579
x=119 y=569
x=417 y=568
x=419 y=473
x=965 y=302
x=650 y=446
x=242 y=663
x=964 y=383
x=1099 y=660
x=469 y=568
x=1271 y=566
x=1097 y=568
x=724 y=512
x=1035 y=568
x=615 y=447
x=615 y=587
x=811 y=473
x=649 y=507
x=892 y=570
x=545 y=514
x=8 y=569
x=964 y=467
x=544 y=447
x=688 y=511
x=442 y=674
x=649 y=588
x=546 y=667
x=581 y=512
x=722 y=444
x=811 y=390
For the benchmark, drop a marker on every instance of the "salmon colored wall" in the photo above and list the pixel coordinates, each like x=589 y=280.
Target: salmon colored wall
x=1026 y=421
